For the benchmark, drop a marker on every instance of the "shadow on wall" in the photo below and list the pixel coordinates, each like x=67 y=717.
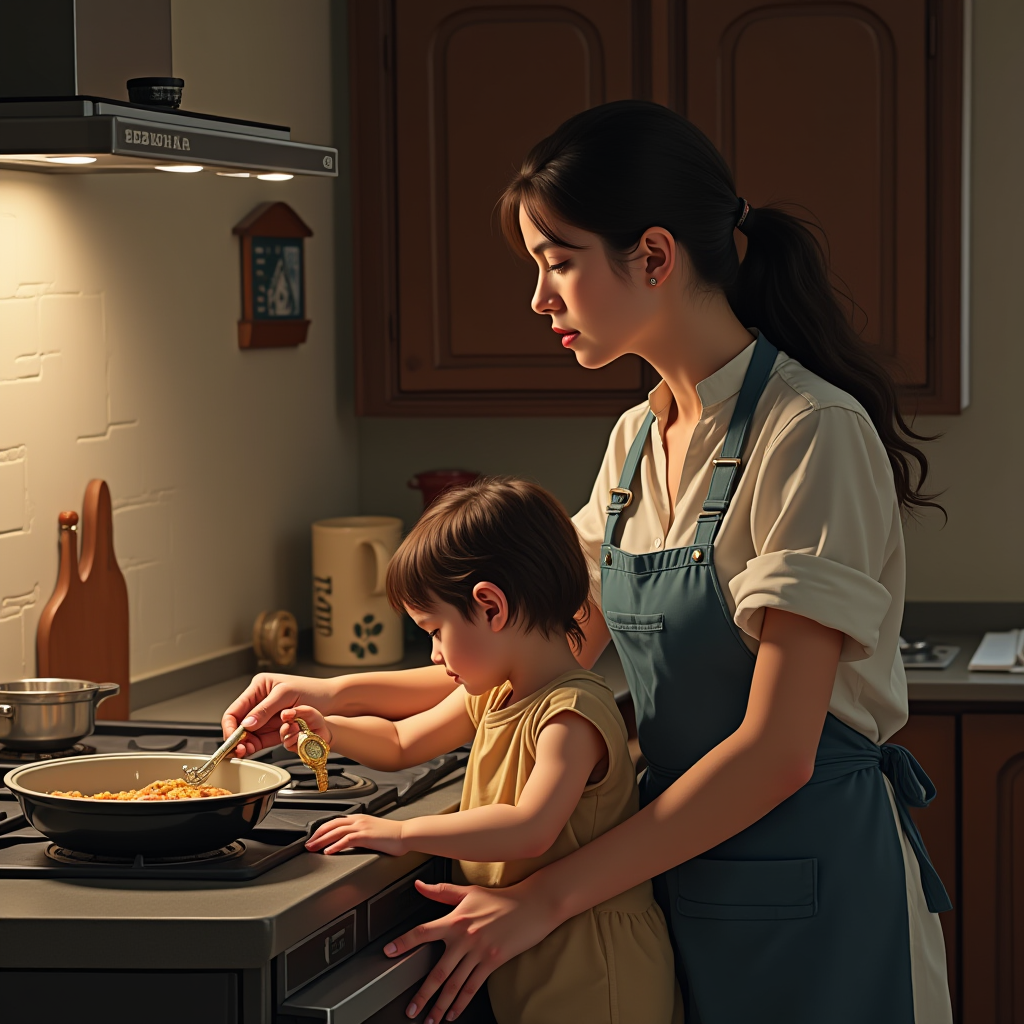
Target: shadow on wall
x=562 y=454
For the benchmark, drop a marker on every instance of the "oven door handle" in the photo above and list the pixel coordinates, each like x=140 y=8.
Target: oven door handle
x=356 y=989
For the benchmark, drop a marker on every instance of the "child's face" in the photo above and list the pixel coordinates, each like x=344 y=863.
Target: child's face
x=467 y=649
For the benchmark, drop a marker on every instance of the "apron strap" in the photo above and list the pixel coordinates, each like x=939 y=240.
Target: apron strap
x=726 y=473
x=728 y=466
x=622 y=497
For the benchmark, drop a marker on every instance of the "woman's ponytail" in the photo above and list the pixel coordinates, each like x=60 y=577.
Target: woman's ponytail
x=621 y=168
x=783 y=288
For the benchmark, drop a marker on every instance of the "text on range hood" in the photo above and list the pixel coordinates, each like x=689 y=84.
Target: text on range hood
x=58 y=58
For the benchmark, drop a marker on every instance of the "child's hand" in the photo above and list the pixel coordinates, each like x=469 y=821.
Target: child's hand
x=312 y=718
x=363 y=830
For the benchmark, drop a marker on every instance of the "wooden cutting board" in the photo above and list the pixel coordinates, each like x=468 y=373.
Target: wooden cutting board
x=83 y=630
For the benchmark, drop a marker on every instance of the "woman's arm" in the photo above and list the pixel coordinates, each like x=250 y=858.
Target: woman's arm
x=391 y=695
x=568 y=749
x=768 y=758
x=387 y=746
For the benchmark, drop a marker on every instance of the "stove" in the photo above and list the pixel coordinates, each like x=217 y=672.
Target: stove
x=260 y=931
x=14 y=758
x=298 y=808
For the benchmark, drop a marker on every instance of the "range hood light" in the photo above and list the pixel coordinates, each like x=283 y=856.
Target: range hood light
x=71 y=159
x=95 y=77
x=179 y=168
x=233 y=174
x=275 y=177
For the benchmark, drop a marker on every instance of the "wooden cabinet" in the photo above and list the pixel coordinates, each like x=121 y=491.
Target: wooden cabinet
x=852 y=110
x=932 y=739
x=448 y=97
x=992 y=869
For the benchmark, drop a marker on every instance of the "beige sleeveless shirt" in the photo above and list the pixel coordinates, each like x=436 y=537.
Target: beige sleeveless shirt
x=612 y=963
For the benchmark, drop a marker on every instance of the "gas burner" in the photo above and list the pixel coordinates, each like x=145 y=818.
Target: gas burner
x=28 y=756
x=157 y=743
x=339 y=782
x=64 y=856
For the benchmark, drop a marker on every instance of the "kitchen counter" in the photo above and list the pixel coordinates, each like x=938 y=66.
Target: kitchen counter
x=959 y=685
x=208 y=704
x=119 y=925
x=953 y=684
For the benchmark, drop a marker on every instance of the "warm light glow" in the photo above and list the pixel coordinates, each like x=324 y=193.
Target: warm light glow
x=180 y=168
x=275 y=177
x=233 y=174
x=28 y=157
x=71 y=159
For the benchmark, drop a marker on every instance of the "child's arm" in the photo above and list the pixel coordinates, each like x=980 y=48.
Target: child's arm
x=388 y=746
x=568 y=749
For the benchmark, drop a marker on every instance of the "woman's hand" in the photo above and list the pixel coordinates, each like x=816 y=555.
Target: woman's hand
x=362 y=830
x=259 y=707
x=487 y=928
x=290 y=731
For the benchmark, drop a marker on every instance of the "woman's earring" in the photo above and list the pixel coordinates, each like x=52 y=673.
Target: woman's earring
x=654 y=281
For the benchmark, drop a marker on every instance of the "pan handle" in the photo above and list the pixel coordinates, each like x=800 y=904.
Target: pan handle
x=107 y=690
x=6 y=711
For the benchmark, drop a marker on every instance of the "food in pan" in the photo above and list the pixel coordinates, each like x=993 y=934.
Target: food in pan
x=163 y=789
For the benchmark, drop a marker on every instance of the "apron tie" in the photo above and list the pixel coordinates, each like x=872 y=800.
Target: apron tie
x=911 y=788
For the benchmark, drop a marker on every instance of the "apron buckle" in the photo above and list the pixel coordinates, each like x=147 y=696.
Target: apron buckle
x=624 y=493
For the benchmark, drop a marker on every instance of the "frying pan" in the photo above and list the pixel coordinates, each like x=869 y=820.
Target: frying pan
x=155 y=828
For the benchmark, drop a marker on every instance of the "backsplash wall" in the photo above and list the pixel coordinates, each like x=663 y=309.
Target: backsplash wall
x=119 y=296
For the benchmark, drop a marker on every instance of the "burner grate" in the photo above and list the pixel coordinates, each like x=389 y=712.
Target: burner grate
x=62 y=855
x=340 y=783
x=30 y=756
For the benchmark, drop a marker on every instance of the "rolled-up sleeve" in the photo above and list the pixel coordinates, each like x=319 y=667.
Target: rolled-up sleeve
x=822 y=520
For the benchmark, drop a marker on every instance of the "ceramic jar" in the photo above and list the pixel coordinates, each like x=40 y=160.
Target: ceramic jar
x=353 y=624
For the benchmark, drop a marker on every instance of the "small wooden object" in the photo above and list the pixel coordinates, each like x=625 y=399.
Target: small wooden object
x=83 y=630
x=273 y=277
x=275 y=639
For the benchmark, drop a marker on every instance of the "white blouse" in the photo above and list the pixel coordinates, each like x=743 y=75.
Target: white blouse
x=814 y=528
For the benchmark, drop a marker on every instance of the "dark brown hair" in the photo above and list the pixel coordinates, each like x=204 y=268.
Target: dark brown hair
x=619 y=169
x=508 y=532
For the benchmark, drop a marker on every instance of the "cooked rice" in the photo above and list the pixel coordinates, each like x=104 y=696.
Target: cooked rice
x=163 y=789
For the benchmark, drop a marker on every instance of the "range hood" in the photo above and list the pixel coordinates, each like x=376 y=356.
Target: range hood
x=65 y=66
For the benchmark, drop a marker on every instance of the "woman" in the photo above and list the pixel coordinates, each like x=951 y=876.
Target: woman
x=746 y=533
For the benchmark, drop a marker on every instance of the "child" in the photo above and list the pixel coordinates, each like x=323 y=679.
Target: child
x=495 y=574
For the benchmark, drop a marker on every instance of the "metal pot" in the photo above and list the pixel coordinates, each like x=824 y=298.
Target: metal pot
x=155 y=828
x=49 y=714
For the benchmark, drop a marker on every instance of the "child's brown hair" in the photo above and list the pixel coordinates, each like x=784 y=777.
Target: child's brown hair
x=508 y=532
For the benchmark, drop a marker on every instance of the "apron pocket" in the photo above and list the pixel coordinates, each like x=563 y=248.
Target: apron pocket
x=629 y=622
x=747 y=890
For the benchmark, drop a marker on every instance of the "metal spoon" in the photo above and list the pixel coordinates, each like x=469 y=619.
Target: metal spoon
x=197 y=776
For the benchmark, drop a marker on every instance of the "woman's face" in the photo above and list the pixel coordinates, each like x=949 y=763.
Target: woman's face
x=597 y=311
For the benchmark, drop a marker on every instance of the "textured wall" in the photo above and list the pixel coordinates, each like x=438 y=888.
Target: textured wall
x=119 y=296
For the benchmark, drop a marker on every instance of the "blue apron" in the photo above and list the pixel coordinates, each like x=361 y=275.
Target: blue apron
x=802 y=917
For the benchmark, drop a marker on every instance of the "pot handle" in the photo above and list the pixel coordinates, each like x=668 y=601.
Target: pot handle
x=6 y=711
x=107 y=690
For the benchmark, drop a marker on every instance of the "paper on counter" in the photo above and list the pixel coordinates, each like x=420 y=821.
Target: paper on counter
x=999 y=652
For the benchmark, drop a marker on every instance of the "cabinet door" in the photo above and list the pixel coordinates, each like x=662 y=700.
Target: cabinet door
x=448 y=97
x=932 y=740
x=993 y=868
x=851 y=111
